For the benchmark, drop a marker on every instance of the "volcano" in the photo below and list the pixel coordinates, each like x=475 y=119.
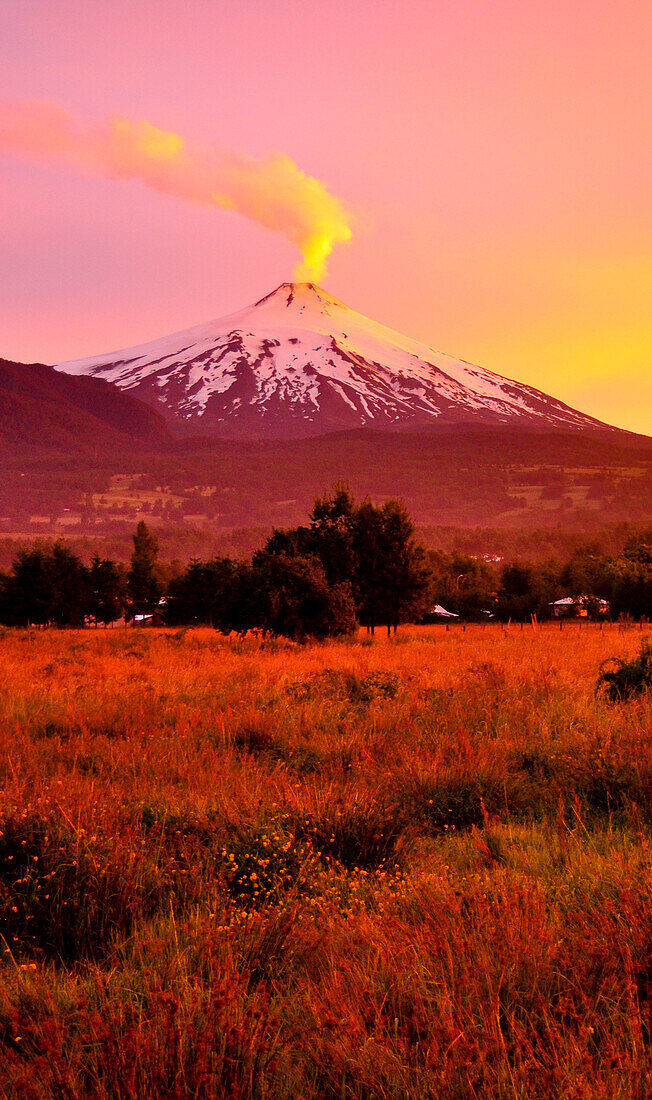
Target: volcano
x=300 y=363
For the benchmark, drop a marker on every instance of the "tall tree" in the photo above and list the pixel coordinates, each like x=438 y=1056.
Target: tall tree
x=332 y=535
x=26 y=596
x=368 y=544
x=108 y=590
x=143 y=582
x=294 y=598
x=370 y=550
x=402 y=577
x=70 y=591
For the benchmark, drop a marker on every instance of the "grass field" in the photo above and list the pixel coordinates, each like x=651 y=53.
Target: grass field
x=414 y=868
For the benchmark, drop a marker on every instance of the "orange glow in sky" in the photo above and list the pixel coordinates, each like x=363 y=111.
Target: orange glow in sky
x=494 y=161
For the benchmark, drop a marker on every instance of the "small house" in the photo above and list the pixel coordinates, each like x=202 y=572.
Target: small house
x=154 y=619
x=439 y=614
x=578 y=607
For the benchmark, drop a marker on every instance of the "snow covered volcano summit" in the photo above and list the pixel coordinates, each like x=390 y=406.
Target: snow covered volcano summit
x=300 y=363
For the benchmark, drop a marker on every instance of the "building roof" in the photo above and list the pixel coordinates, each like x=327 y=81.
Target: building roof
x=571 y=601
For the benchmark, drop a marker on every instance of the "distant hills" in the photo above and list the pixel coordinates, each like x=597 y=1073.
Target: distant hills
x=45 y=412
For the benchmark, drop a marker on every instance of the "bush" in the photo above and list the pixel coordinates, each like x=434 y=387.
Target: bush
x=456 y=802
x=626 y=678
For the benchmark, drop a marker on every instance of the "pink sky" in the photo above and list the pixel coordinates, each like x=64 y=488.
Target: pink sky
x=496 y=156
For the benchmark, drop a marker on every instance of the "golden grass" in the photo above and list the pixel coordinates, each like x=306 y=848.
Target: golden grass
x=418 y=867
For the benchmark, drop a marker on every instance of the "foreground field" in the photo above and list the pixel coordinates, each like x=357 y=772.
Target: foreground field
x=414 y=868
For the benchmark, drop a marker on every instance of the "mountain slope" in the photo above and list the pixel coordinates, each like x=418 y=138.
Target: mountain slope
x=45 y=412
x=300 y=363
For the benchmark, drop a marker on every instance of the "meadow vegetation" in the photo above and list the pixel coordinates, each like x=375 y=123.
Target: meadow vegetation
x=405 y=867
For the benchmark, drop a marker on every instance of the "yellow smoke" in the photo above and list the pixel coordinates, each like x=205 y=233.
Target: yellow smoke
x=272 y=191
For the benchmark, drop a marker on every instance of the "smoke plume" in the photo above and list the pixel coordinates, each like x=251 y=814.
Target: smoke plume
x=272 y=191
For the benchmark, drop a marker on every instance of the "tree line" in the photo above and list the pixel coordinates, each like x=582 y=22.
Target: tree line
x=518 y=589
x=51 y=585
x=353 y=563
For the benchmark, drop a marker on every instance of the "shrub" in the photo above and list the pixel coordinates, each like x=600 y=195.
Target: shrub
x=364 y=689
x=253 y=738
x=300 y=758
x=626 y=678
x=455 y=802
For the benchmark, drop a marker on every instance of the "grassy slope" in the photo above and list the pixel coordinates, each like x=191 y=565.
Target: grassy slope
x=415 y=868
x=44 y=413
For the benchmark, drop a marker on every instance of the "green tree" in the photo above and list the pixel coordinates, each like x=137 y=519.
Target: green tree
x=294 y=598
x=368 y=544
x=332 y=535
x=70 y=587
x=370 y=550
x=519 y=596
x=527 y=589
x=289 y=540
x=27 y=594
x=46 y=585
x=628 y=582
x=107 y=590
x=583 y=573
x=246 y=608
x=143 y=580
x=203 y=594
x=404 y=578
x=463 y=583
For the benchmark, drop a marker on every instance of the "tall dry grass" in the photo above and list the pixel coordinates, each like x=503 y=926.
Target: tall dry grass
x=414 y=868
